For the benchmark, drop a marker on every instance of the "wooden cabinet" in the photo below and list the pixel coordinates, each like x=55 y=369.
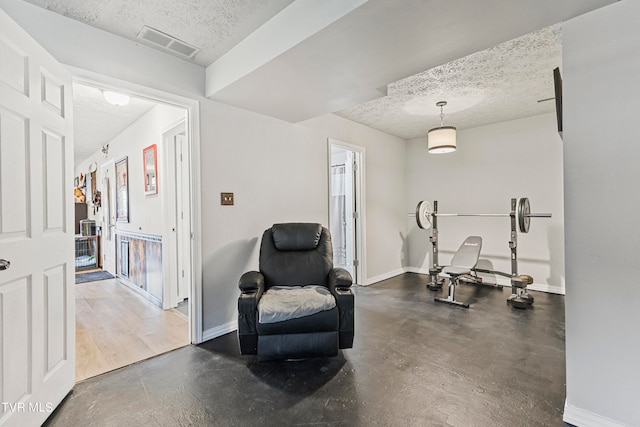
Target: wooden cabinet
x=139 y=262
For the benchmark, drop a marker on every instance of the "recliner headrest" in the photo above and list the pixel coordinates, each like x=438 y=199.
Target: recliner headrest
x=296 y=236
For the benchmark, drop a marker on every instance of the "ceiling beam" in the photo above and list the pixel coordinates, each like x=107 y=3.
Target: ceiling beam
x=297 y=22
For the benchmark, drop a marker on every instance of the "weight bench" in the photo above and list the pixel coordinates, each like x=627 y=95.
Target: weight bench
x=464 y=260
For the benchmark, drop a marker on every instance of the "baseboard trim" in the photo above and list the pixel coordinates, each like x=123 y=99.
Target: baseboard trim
x=582 y=418
x=417 y=270
x=219 y=331
x=137 y=289
x=381 y=277
x=546 y=288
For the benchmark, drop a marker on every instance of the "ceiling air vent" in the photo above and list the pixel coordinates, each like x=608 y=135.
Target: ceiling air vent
x=167 y=42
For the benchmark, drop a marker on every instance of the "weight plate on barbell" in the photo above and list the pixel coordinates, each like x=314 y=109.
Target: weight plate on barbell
x=524 y=209
x=423 y=214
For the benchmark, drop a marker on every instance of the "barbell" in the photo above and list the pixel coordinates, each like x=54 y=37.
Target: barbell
x=425 y=211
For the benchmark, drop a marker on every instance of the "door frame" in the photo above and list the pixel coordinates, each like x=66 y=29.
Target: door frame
x=177 y=244
x=360 y=200
x=192 y=107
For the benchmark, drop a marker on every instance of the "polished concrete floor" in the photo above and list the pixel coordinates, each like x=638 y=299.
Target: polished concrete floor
x=415 y=362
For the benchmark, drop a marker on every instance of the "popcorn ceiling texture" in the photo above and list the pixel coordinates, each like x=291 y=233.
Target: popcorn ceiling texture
x=494 y=85
x=214 y=26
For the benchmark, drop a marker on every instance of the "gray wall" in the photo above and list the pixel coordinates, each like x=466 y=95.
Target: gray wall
x=602 y=196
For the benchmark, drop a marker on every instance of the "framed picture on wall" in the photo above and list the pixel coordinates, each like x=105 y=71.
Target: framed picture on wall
x=122 y=190
x=150 y=159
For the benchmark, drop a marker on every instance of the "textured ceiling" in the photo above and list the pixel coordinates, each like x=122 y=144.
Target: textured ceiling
x=96 y=122
x=498 y=84
x=214 y=26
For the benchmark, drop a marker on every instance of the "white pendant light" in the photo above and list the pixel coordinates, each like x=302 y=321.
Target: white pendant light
x=441 y=139
x=115 y=98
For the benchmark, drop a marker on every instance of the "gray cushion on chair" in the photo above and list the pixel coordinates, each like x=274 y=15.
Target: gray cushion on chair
x=281 y=303
x=456 y=271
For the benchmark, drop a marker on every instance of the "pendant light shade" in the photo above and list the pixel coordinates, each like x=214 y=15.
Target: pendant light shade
x=441 y=139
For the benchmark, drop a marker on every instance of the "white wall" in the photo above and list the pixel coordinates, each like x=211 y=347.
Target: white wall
x=519 y=158
x=277 y=174
x=602 y=175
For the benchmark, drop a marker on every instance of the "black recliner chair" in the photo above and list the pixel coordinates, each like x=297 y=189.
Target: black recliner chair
x=294 y=255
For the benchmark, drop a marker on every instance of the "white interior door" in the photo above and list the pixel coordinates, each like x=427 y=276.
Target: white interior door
x=346 y=208
x=183 y=217
x=177 y=252
x=109 y=217
x=37 y=299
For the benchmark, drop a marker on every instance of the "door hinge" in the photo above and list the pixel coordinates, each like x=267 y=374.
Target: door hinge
x=356 y=263
x=356 y=215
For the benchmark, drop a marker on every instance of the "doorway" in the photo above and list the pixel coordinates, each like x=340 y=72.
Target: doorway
x=178 y=204
x=346 y=207
x=132 y=317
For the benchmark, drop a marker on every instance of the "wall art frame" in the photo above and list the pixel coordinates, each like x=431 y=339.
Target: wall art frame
x=122 y=190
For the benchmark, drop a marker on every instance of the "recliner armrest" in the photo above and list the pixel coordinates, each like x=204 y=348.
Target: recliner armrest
x=251 y=286
x=340 y=282
x=251 y=281
x=339 y=278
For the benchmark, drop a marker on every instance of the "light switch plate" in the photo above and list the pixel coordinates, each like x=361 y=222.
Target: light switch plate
x=226 y=199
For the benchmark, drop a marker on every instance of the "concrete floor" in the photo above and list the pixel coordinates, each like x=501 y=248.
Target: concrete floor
x=414 y=363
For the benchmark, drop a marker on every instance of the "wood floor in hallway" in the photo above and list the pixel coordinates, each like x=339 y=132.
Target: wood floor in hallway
x=116 y=327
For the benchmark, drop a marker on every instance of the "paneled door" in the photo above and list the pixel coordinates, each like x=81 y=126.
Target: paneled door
x=37 y=300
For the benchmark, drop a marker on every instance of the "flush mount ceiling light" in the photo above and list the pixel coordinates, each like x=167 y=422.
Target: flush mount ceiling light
x=441 y=139
x=115 y=98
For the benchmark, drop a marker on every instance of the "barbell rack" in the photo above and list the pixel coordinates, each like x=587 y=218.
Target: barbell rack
x=426 y=217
